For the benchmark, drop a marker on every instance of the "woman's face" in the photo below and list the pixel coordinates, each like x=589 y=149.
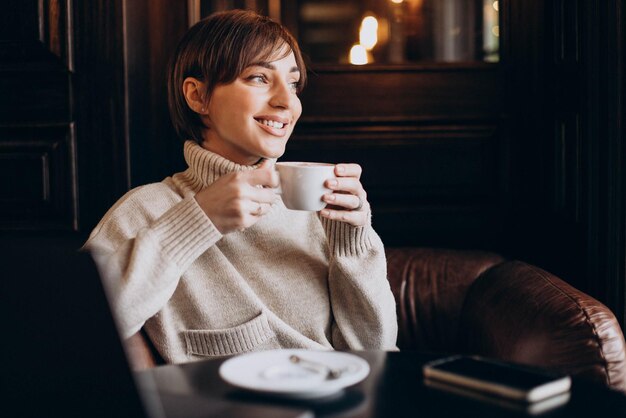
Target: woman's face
x=254 y=116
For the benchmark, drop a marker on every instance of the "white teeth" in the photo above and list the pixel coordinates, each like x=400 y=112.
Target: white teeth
x=272 y=123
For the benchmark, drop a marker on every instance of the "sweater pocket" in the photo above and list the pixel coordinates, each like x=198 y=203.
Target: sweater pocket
x=252 y=335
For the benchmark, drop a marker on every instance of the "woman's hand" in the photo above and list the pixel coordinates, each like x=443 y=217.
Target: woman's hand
x=348 y=201
x=236 y=201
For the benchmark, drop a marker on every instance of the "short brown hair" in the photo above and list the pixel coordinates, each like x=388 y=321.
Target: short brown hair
x=217 y=50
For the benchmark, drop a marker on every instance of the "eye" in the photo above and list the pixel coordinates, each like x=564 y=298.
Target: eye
x=258 y=78
x=294 y=86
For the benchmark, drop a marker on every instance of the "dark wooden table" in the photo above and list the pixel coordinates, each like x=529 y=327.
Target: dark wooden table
x=394 y=388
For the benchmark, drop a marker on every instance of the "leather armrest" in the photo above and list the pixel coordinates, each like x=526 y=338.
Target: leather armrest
x=521 y=313
x=429 y=286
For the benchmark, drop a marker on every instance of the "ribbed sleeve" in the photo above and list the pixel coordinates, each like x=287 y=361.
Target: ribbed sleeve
x=345 y=239
x=185 y=232
x=363 y=306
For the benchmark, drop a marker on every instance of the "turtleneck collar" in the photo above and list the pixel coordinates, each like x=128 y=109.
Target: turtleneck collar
x=205 y=166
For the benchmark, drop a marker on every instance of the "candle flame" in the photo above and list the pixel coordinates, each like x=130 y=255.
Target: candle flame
x=358 y=55
x=368 y=34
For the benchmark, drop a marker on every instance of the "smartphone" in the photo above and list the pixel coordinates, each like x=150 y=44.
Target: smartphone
x=512 y=381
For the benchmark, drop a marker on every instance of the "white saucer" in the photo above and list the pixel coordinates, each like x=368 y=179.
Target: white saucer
x=271 y=372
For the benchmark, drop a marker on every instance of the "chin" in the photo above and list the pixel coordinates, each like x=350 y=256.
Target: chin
x=274 y=153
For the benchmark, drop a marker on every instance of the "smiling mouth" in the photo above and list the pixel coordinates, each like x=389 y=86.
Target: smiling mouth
x=271 y=123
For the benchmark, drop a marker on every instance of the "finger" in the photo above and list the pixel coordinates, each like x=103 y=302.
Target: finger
x=348 y=170
x=355 y=218
x=265 y=175
x=252 y=211
x=348 y=201
x=262 y=195
x=351 y=185
x=261 y=209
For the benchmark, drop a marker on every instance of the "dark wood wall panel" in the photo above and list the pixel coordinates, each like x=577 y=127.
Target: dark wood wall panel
x=405 y=93
x=566 y=96
x=35 y=32
x=54 y=30
x=34 y=96
x=564 y=75
x=100 y=106
x=425 y=163
x=19 y=20
x=37 y=134
x=568 y=159
x=38 y=190
x=428 y=139
x=153 y=29
x=428 y=184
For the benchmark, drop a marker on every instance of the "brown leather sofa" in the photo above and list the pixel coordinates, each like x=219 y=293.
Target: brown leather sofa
x=479 y=303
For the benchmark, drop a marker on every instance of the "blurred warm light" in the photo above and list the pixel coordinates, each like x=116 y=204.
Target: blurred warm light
x=368 y=34
x=495 y=30
x=397 y=1
x=496 y=5
x=358 y=55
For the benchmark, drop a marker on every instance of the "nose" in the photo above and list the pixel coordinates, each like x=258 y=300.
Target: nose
x=282 y=96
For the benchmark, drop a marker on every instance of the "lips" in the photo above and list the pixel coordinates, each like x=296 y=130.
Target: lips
x=274 y=125
x=271 y=123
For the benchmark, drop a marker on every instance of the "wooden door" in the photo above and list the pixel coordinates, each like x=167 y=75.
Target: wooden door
x=63 y=134
x=38 y=189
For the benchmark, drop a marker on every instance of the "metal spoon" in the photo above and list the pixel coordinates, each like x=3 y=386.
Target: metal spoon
x=317 y=367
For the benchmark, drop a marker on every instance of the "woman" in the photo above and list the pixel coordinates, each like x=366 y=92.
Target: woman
x=209 y=261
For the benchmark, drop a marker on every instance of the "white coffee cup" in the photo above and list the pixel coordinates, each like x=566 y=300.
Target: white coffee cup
x=302 y=184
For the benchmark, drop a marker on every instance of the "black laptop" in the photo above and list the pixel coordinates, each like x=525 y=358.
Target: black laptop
x=62 y=356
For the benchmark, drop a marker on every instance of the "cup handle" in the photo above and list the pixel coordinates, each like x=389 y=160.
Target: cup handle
x=278 y=190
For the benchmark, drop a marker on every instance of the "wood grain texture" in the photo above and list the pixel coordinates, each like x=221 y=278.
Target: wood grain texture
x=37 y=135
x=432 y=92
x=38 y=189
x=100 y=107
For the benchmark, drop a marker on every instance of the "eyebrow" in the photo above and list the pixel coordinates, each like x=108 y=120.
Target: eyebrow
x=271 y=66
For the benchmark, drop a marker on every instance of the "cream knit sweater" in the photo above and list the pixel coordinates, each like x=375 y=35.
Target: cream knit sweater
x=292 y=280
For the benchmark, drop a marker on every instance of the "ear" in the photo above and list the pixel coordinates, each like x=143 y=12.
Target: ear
x=194 y=91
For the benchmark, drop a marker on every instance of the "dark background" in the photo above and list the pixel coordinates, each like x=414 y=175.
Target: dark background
x=523 y=157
